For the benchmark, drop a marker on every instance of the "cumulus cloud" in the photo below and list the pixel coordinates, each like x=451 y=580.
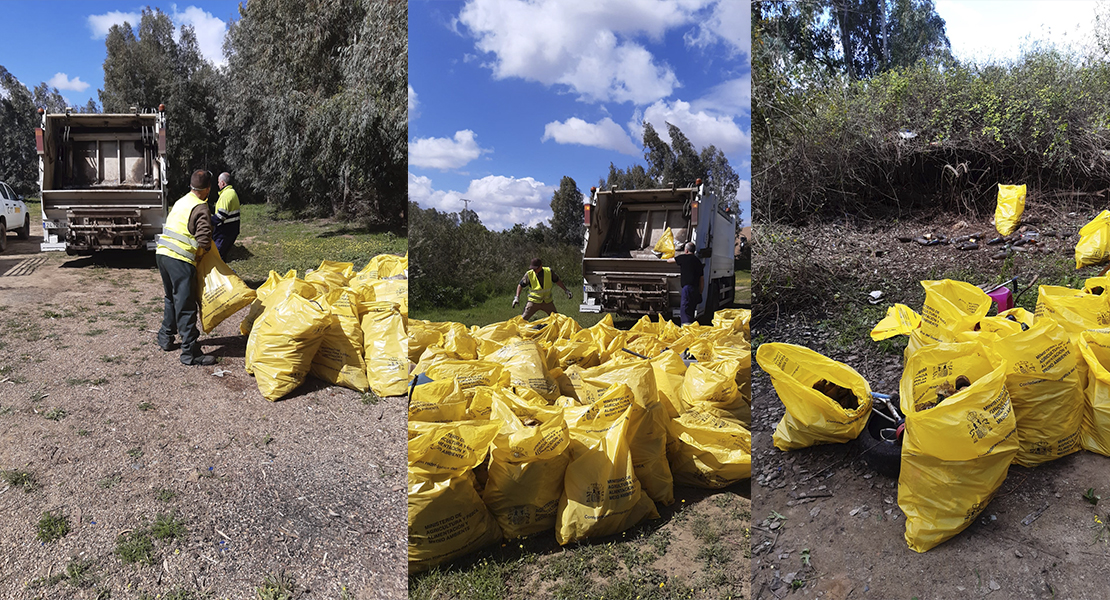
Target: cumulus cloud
x=445 y=153
x=413 y=104
x=63 y=82
x=701 y=127
x=729 y=23
x=210 y=31
x=733 y=97
x=589 y=47
x=100 y=24
x=604 y=134
x=500 y=201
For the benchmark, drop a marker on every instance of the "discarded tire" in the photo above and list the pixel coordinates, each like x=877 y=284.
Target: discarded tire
x=881 y=455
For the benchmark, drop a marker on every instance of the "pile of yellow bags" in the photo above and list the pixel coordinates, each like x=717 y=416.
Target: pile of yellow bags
x=588 y=428
x=345 y=327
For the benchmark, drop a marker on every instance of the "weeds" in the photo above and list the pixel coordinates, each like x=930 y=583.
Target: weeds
x=55 y=414
x=111 y=358
x=135 y=547
x=53 y=525
x=165 y=495
x=167 y=527
x=135 y=453
x=370 y=398
x=145 y=406
x=108 y=482
x=277 y=587
x=94 y=332
x=20 y=479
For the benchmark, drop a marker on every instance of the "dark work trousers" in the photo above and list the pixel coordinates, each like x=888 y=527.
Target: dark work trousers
x=223 y=236
x=180 y=313
x=690 y=299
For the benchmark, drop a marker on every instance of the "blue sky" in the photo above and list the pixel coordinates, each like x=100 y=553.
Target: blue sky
x=508 y=96
x=62 y=43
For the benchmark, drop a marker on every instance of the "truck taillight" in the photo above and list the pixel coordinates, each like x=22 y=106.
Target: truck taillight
x=587 y=213
x=694 y=213
x=38 y=140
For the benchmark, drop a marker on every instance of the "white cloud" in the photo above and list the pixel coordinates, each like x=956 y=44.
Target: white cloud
x=744 y=195
x=100 y=24
x=729 y=22
x=500 y=201
x=604 y=134
x=63 y=82
x=980 y=31
x=589 y=47
x=701 y=127
x=413 y=104
x=210 y=32
x=445 y=153
x=732 y=97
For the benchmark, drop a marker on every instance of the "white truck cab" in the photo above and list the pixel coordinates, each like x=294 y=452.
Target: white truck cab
x=13 y=216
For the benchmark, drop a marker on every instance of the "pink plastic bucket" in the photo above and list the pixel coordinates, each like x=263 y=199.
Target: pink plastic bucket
x=1003 y=297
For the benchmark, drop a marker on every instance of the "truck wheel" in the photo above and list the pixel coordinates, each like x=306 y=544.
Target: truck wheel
x=3 y=236
x=25 y=231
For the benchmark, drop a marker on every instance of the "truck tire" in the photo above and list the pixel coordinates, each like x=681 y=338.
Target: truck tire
x=25 y=231
x=3 y=236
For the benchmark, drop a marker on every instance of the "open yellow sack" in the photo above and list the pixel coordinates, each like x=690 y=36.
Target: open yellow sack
x=385 y=345
x=529 y=460
x=951 y=307
x=1094 y=346
x=709 y=452
x=1011 y=203
x=1093 y=246
x=386 y=290
x=447 y=517
x=222 y=292
x=811 y=417
x=665 y=245
x=339 y=358
x=1046 y=389
x=1074 y=310
x=955 y=454
x=899 y=320
x=601 y=494
x=283 y=343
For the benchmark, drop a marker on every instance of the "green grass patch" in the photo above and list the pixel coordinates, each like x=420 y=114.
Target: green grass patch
x=743 y=288
x=20 y=479
x=145 y=406
x=52 y=526
x=277 y=587
x=55 y=414
x=95 y=332
x=500 y=308
x=135 y=547
x=280 y=242
x=135 y=453
x=110 y=481
x=167 y=527
x=165 y=495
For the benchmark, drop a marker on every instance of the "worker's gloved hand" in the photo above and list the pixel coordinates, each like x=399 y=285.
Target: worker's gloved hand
x=515 y=302
x=569 y=295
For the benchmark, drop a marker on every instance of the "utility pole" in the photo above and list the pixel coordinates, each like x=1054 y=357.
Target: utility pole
x=466 y=203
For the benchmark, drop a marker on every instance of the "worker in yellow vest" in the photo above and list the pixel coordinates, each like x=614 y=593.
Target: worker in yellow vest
x=541 y=281
x=225 y=223
x=185 y=237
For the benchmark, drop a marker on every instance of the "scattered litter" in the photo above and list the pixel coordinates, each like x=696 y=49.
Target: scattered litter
x=221 y=372
x=1033 y=516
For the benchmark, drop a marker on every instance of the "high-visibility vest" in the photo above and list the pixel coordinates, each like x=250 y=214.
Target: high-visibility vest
x=540 y=293
x=176 y=241
x=227 y=207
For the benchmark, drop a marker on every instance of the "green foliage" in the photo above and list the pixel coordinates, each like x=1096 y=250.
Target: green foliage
x=20 y=479
x=277 y=587
x=316 y=97
x=568 y=222
x=135 y=547
x=18 y=162
x=52 y=526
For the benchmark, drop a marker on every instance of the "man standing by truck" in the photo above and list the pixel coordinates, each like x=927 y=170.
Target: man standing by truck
x=185 y=237
x=540 y=281
x=691 y=277
x=225 y=223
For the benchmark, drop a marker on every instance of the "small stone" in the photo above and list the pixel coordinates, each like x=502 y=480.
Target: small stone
x=993 y=585
x=1018 y=553
x=815 y=511
x=869 y=476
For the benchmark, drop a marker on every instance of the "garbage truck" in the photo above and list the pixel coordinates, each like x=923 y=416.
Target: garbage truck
x=622 y=274
x=103 y=180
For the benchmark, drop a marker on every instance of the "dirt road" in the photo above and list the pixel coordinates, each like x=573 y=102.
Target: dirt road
x=189 y=469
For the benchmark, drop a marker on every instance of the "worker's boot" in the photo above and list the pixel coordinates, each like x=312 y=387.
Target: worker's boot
x=193 y=356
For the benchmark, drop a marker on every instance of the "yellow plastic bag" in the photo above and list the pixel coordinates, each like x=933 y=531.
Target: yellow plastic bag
x=955 y=454
x=811 y=416
x=527 y=367
x=283 y=343
x=709 y=452
x=711 y=387
x=381 y=266
x=1011 y=203
x=951 y=307
x=385 y=345
x=601 y=494
x=387 y=290
x=1094 y=346
x=447 y=517
x=670 y=372
x=422 y=335
x=665 y=246
x=1046 y=389
x=1093 y=246
x=339 y=359
x=222 y=292
x=437 y=402
x=276 y=289
x=899 y=320
x=1074 y=310
x=529 y=460
x=330 y=276
x=469 y=373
